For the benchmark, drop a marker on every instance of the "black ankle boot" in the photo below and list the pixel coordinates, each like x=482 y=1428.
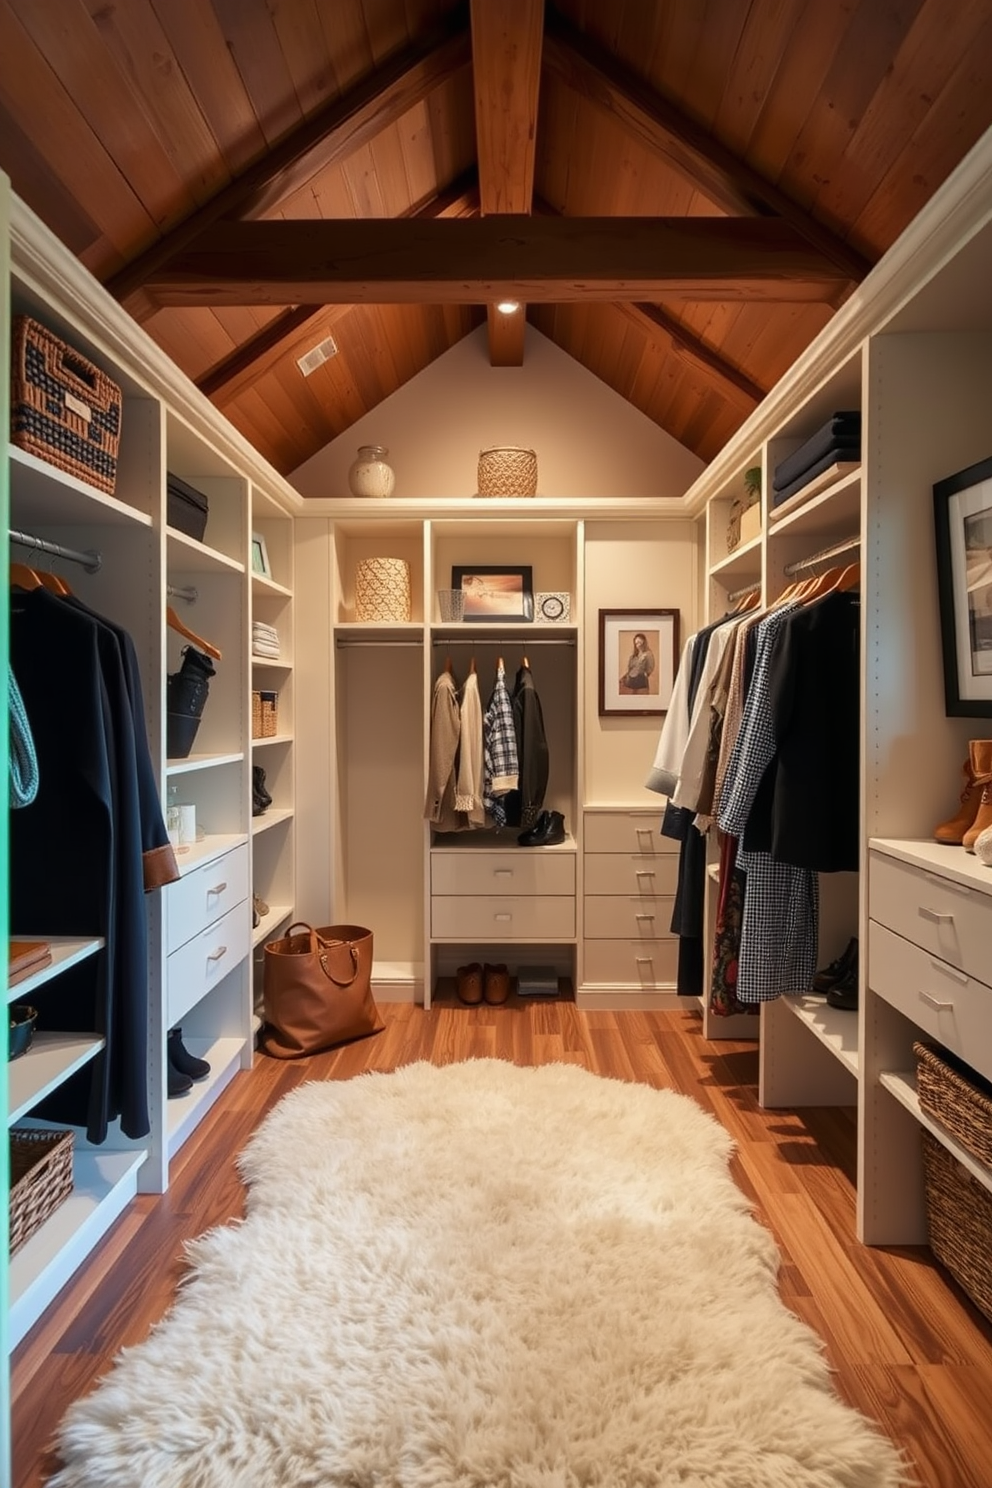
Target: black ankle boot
x=182 y=1061
x=177 y=1083
x=260 y=798
x=186 y=693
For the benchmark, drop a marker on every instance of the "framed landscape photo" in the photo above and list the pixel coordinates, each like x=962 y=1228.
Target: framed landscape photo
x=638 y=655
x=494 y=593
x=963 y=534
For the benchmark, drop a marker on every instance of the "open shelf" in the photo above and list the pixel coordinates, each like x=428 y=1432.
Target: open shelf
x=272 y=817
x=52 y=1058
x=185 y=1112
x=52 y=495
x=278 y=913
x=902 y=1084
x=201 y=762
x=66 y=951
x=836 y=1029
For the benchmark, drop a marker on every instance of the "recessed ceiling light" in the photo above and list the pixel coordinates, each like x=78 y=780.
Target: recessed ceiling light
x=507 y=307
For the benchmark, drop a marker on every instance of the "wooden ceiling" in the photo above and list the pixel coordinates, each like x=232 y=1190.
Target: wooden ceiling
x=679 y=193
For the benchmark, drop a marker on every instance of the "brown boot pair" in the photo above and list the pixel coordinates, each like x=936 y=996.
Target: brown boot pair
x=975 y=812
x=475 y=983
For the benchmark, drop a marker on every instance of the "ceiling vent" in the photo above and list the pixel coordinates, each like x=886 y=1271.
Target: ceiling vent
x=317 y=355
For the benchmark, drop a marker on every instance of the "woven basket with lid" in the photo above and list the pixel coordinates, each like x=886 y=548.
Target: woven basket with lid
x=507 y=470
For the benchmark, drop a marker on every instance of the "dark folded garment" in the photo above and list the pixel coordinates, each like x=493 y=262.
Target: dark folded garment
x=837 y=454
x=842 y=428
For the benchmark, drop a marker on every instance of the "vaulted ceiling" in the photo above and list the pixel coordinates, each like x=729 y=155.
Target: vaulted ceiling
x=679 y=193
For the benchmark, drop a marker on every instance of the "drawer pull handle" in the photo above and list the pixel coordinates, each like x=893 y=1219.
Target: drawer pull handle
x=937 y=917
x=503 y=917
x=508 y=872
x=217 y=889
x=218 y=953
x=643 y=917
x=646 y=959
x=936 y=1002
x=644 y=873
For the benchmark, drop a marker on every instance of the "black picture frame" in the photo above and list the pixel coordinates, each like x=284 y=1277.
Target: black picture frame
x=619 y=631
x=495 y=593
x=962 y=508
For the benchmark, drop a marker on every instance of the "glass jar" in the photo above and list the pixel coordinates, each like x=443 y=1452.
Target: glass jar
x=370 y=475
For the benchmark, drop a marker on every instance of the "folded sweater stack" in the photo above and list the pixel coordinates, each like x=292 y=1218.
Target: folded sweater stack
x=264 y=641
x=835 y=442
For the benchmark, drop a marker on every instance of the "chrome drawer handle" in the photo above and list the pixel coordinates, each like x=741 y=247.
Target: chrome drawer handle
x=218 y=953
x=936 y=1002
x=646 y=959
x=507 y=871
x=935 y=915
x=643 y=917
x=217 y=889
x=503 y=917
x=644 y=873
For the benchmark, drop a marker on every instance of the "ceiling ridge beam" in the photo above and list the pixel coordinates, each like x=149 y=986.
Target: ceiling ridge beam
x=333 y=133
x=231 y=375
x=472 y=260
x=715 y=170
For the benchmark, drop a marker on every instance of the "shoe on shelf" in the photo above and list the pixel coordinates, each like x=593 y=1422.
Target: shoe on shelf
x=178 y=1083
x=259 y=909
x=468 y=981
x=844 y=994
x=182 y=1061
x=496 y=984
x=952 y=831
x=980 y=760
x=547 y=831
x=830 y=975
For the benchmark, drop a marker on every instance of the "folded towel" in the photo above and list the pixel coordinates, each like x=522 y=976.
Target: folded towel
x=842 y=428
x=839 y=454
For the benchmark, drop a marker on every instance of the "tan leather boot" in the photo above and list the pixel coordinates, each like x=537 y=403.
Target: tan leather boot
x=952 y=831
x=980 y=758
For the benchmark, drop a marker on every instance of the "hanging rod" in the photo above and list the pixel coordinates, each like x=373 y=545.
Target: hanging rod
x=524 y=642
x=189 y=594
x=814 y=558
x=360 y=641
x=90 y=560
x=736 y=594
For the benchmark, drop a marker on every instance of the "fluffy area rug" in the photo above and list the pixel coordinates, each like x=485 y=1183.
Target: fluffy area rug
x=479 y=1275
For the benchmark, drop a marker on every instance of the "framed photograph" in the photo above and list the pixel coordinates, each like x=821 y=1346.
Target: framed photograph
x=260 y=556
x=963 y=532
x=493 y=593
x=638 y=655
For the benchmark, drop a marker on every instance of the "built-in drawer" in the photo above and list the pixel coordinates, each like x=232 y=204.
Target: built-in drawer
x=492 y=917
x=526 y=871
x=197 y=967
x=205 y=894
x=632 y=963
x=627 y=832
x=944 y=917
x=940 y=999
x=610 y=917
x=629 y=874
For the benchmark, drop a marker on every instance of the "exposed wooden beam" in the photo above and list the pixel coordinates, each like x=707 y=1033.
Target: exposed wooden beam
x=506 y=64
x=332 y=134
x=727 y=180
x=734 y=383
x=284 y=335
x=481 y=260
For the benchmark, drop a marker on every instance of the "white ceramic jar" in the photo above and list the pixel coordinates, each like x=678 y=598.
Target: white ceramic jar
x=370 y=475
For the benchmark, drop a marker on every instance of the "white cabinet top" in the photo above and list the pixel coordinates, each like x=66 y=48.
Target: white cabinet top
x=936 y=857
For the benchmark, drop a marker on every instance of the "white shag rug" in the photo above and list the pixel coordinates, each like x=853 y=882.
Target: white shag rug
x=479 y=1275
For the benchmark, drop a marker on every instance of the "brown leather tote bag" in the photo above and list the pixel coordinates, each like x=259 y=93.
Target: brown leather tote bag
x=317 y=986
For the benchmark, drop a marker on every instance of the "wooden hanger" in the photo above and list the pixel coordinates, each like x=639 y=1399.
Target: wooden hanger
x=53 y=583
x=525 y=662
x=24 y=577
x=499 y=664
x=448 y=667
x=471 y=665
x=846 y=579
x=174 y=623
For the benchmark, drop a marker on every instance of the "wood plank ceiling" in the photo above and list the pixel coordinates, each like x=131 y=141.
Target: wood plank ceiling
x=679 y=193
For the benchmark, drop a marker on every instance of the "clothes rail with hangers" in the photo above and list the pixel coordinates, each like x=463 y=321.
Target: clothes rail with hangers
x=834 y=551
x=89 y=560
x=736 y=594
x=492 y=641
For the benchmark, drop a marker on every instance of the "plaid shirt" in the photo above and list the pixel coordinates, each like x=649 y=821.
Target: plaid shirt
x=500 y=751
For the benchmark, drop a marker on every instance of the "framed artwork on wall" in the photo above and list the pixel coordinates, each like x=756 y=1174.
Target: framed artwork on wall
x=494 y=593
x=638 y=654
x=963 y=534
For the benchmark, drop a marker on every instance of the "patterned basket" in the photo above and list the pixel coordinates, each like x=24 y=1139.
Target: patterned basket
x=264 y=714
x=382 y=589
x=507 y=471
x=957 y=1097
x=959 y=1222
x=40 y=1179
x=63 y=408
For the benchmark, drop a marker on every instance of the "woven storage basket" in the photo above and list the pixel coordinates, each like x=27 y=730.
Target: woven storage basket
x=959 y=1222
x=63 y=409
x=40 y=1179
x=264 y=714
x=507 y=471
x=957 y=1097
x=382 y=589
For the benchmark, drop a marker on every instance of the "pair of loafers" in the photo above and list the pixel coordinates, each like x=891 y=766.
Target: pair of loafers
x=547 y=831
x=476 y=983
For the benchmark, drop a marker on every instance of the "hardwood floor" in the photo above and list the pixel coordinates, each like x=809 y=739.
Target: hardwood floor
x=907 y=1346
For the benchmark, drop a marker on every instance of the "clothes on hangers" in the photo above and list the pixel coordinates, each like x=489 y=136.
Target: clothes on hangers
x=523 y=805
x=499 y=750
x=471 y=755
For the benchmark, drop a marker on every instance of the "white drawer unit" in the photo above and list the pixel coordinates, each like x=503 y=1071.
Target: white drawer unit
x=943 y=1001
x=627 y=832
x=203 y=962
x=494 y=917
x=638 y=964
x=610 y=917
x=942 y=915
x=526 y=871
x=630 y=874
x=205 y=894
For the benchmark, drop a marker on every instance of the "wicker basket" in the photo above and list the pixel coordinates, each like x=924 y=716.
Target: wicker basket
x=957 y=1097
x=507 y=471
x=63 y=408
x=264 y=714
x=40 y=1179
x=959 y=1222
x=382 y=589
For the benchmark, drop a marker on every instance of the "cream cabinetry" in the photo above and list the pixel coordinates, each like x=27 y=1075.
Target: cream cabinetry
x=630 y=874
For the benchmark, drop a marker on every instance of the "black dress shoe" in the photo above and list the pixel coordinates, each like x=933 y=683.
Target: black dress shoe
x=547 y=831
x=829 y=976
x=844 y=994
